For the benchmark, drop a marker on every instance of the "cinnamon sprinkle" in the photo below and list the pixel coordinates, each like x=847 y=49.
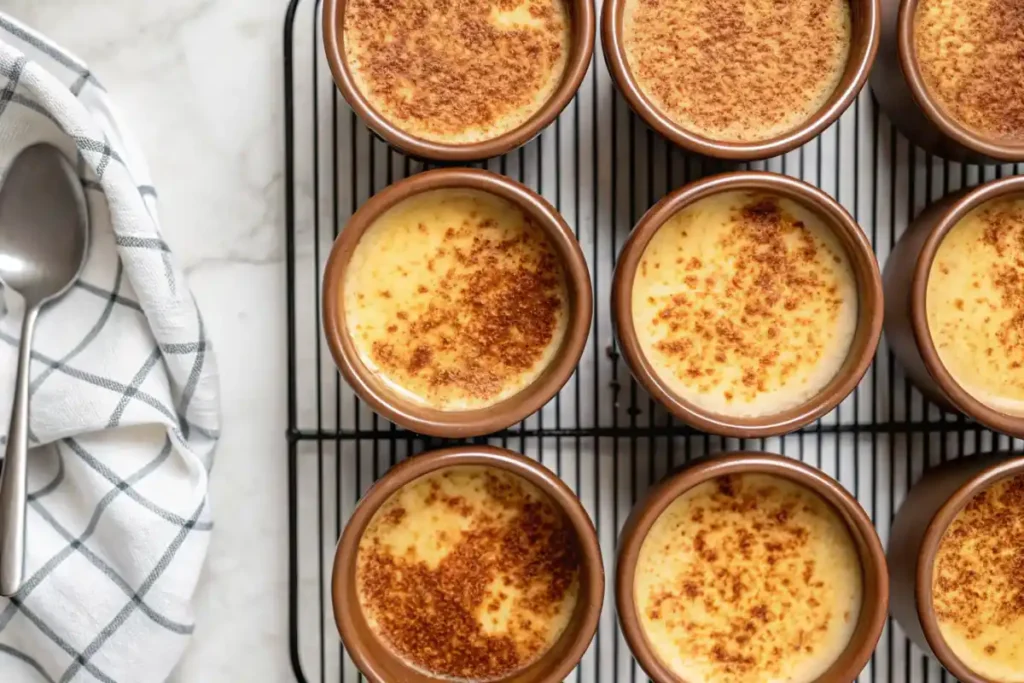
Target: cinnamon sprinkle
x=468 y=69
x=772 y=318
x=1004 y=232
x=979 y=568
x=488 y=319
x=998 y=241
x=735 y=69
x=517 y=552
x=971 y=56
x=752 y=602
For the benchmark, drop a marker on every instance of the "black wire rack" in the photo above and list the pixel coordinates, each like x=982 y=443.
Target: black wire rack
x=602 y=168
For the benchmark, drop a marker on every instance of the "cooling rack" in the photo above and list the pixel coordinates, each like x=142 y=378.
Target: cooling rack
x=602 y=168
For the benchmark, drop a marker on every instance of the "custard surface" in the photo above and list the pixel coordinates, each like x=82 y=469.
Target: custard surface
x=748 y=578
x=975 y=304
x=737 y=70
x=969 y=55
x=470 y=573
x=457 y=71
x=978 y=583
x=745 y=304
x=456 y=299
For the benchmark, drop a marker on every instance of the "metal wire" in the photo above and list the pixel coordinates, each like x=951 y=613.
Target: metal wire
x=601 y=167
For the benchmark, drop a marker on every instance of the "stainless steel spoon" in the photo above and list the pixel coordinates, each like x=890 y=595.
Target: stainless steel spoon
x=44 y=236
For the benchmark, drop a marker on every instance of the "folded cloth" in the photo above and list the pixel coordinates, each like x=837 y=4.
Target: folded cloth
x=124 y=406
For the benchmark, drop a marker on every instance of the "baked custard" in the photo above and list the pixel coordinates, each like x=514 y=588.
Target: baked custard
x=975 y=304
x=748 y=578
x=978 y=583
x=745 y=304
x=456 y=299
x=468 y=573
x=969 y=54
x=737 y=70
x=459 y=71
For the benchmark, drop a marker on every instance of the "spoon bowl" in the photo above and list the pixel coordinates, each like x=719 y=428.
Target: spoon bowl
x=43 y=225
x=44 y=239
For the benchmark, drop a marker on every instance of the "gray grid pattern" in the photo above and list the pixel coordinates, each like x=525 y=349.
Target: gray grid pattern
x=125 y=420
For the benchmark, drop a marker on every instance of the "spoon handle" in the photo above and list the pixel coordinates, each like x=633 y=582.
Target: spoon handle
x=14 y=479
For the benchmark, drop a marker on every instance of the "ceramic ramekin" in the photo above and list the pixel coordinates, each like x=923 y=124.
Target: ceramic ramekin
x=906 y=319
x=875 y=579
x=466 y=423
x=899 y=87
x=375 y=660
x=582 y=48
x=869 y=316
x=863 y=46
x=926 y=513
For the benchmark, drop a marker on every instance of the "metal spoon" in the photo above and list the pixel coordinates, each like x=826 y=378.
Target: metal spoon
x=44 y=236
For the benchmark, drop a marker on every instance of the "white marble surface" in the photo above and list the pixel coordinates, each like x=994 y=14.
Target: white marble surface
x=199 y=82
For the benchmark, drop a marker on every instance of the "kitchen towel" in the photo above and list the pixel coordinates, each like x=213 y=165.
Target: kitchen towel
x=124 y=406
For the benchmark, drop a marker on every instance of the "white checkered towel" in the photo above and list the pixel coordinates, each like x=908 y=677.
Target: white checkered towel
x=124 y=407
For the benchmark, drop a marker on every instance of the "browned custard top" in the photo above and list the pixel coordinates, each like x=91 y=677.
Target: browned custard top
x=746 y=579
x=469 y=573
x=975 y=303
x=978 y=582
x=971 y=56
x=745 y=303
x=457 y=70
x=456 y=298
x=737 y=70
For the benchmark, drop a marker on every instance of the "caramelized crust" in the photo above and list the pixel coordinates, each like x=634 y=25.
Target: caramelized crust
x=739 y=297
x=737 y=70
x=970 y=56
x=760 y=582
x=457 y=70
x=975 y=303
x=978 y=581
x=496 y=593
x=457 y=297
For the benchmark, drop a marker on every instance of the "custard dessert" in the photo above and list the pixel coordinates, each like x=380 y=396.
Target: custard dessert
x=456 y=299
x=975 y=304
x=978 y=583
x=468 y=573
x=745 y=304
x=457 y=72
x=969 y=55
x=748 y=578
x=737 y=70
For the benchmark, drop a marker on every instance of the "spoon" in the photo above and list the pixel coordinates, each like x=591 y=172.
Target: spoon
x=44 y=233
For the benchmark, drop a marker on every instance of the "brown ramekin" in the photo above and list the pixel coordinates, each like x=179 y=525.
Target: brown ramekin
x=926 y=513
x=583 y=23
x=864 y=16
x=906 y=319
x=375 y=660
x=869 y=316
x=467 y=423
x=875 y=578
x=899 y=87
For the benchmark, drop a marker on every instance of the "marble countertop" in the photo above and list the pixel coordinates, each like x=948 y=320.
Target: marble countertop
x=200 y=84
